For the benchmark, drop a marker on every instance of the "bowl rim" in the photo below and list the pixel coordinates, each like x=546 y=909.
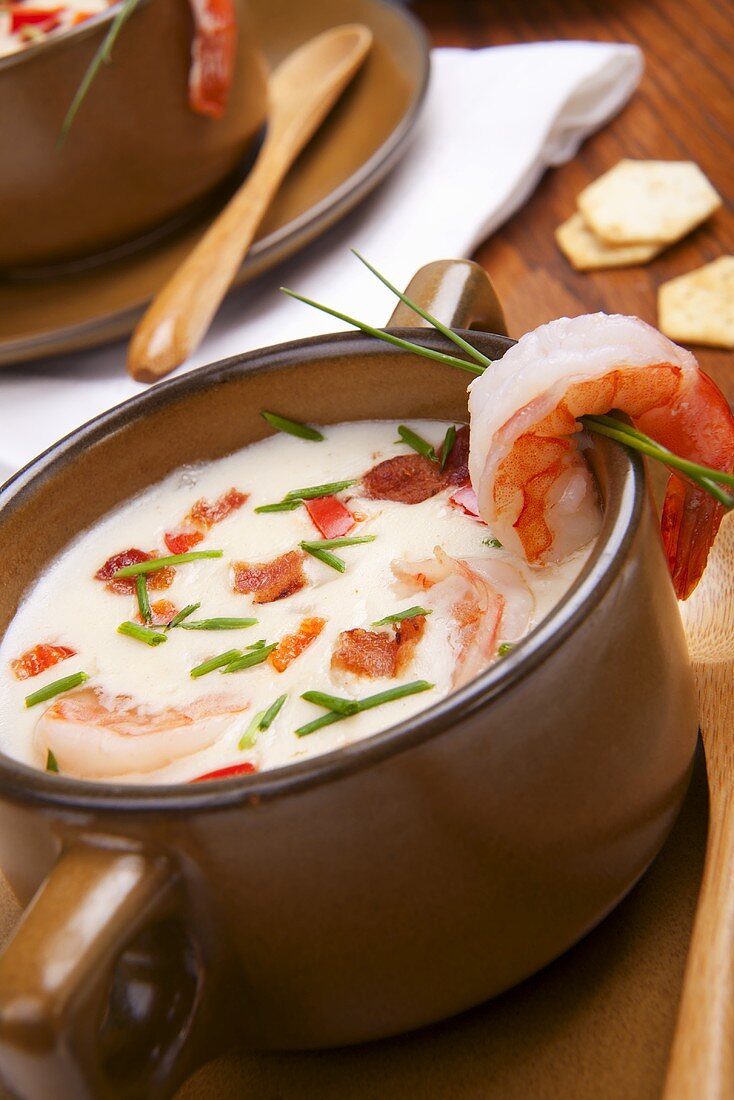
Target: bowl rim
x=20 y=782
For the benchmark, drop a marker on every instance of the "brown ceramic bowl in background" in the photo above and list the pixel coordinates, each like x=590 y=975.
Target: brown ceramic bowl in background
x=136 y=156
x=373 y=889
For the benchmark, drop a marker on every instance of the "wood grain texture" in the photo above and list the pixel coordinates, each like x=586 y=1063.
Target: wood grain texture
x=702 y=1060
x=683 y=110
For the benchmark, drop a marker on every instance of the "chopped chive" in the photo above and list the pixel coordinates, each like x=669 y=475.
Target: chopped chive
x=292 y=427
x=311 y=492
x=141 y=591
x=257 y=645
x=249 y=737
x=448 y=444
x=401 y=616
x=248 y=660
x=183 y=614
x=219 y=661
x=387 y=337
x=154 y=564
x=272 y=712
x=318 y=723
x=505 y=648
x=325 y=556
x=494 y=543
x=442 y=328
x=364 y=704
x=219 y=624
x=418 y=443
x=142 y=633
x=280 y=506
x=66 y=683
x=52 y=764
x=332 y=702
x=329 y=544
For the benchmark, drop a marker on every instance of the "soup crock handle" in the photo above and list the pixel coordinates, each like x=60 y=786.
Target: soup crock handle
x=458 y=292
x=79 y=1019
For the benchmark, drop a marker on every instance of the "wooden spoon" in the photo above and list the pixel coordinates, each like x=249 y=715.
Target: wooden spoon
x=702 y=1059
x=302 y=91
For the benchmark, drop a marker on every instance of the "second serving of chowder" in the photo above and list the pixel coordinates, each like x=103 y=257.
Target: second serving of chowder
x=142 y=717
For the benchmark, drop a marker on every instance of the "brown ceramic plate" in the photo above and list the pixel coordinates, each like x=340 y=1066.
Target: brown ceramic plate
x=356 y=148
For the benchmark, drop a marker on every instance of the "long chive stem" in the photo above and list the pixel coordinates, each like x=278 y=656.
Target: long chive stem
x=141 y=592
x=311 y=492
x=418 y=443
x=56 y=687
x=102 y=56
x=704 y=476
x=401 y=616
x=387 y=337
x=154 y=564
x=292 y=427
x=334 y=544
x=325 y=556
x=219 y=661
x=448 y=332
x=365 y=704
x=142 y=634
x=183 y=614
x=219 y=624
x=248 y=660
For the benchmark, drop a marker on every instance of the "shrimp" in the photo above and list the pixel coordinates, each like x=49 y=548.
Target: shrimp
x=96 y=736
x=467 y=600
x=534 y=489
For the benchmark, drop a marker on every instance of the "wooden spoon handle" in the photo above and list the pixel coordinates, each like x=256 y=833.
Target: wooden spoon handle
x=702 y=1059
x=181 y=313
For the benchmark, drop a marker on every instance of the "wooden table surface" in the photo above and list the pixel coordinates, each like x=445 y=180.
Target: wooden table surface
x=683 y=110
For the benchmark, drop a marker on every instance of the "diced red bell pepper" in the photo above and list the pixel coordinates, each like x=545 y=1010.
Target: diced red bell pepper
x=38 y=659
x=226 y=773
x=331 y=517
x=31 y=17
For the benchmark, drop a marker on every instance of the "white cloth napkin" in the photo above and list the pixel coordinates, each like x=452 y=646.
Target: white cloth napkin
x=494 y=120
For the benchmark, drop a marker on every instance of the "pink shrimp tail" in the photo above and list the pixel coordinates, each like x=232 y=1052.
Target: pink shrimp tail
x=691 y=517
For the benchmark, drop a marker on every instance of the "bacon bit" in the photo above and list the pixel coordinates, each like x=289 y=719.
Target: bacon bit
x=271 y=580
x=40 y=658
x=212 y=56
x=162 y=611
x=408 y=479
x=202 y=516
x=155 y=582
x=377 y=654
x=226 y=773
x=291 y=646
x=330 y=516
x=208 y=514
x=456 y=470
x=180 y=542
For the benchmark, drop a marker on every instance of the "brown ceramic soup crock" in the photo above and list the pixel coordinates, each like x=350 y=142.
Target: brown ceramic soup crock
x=136 y=156
x=373 y=889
